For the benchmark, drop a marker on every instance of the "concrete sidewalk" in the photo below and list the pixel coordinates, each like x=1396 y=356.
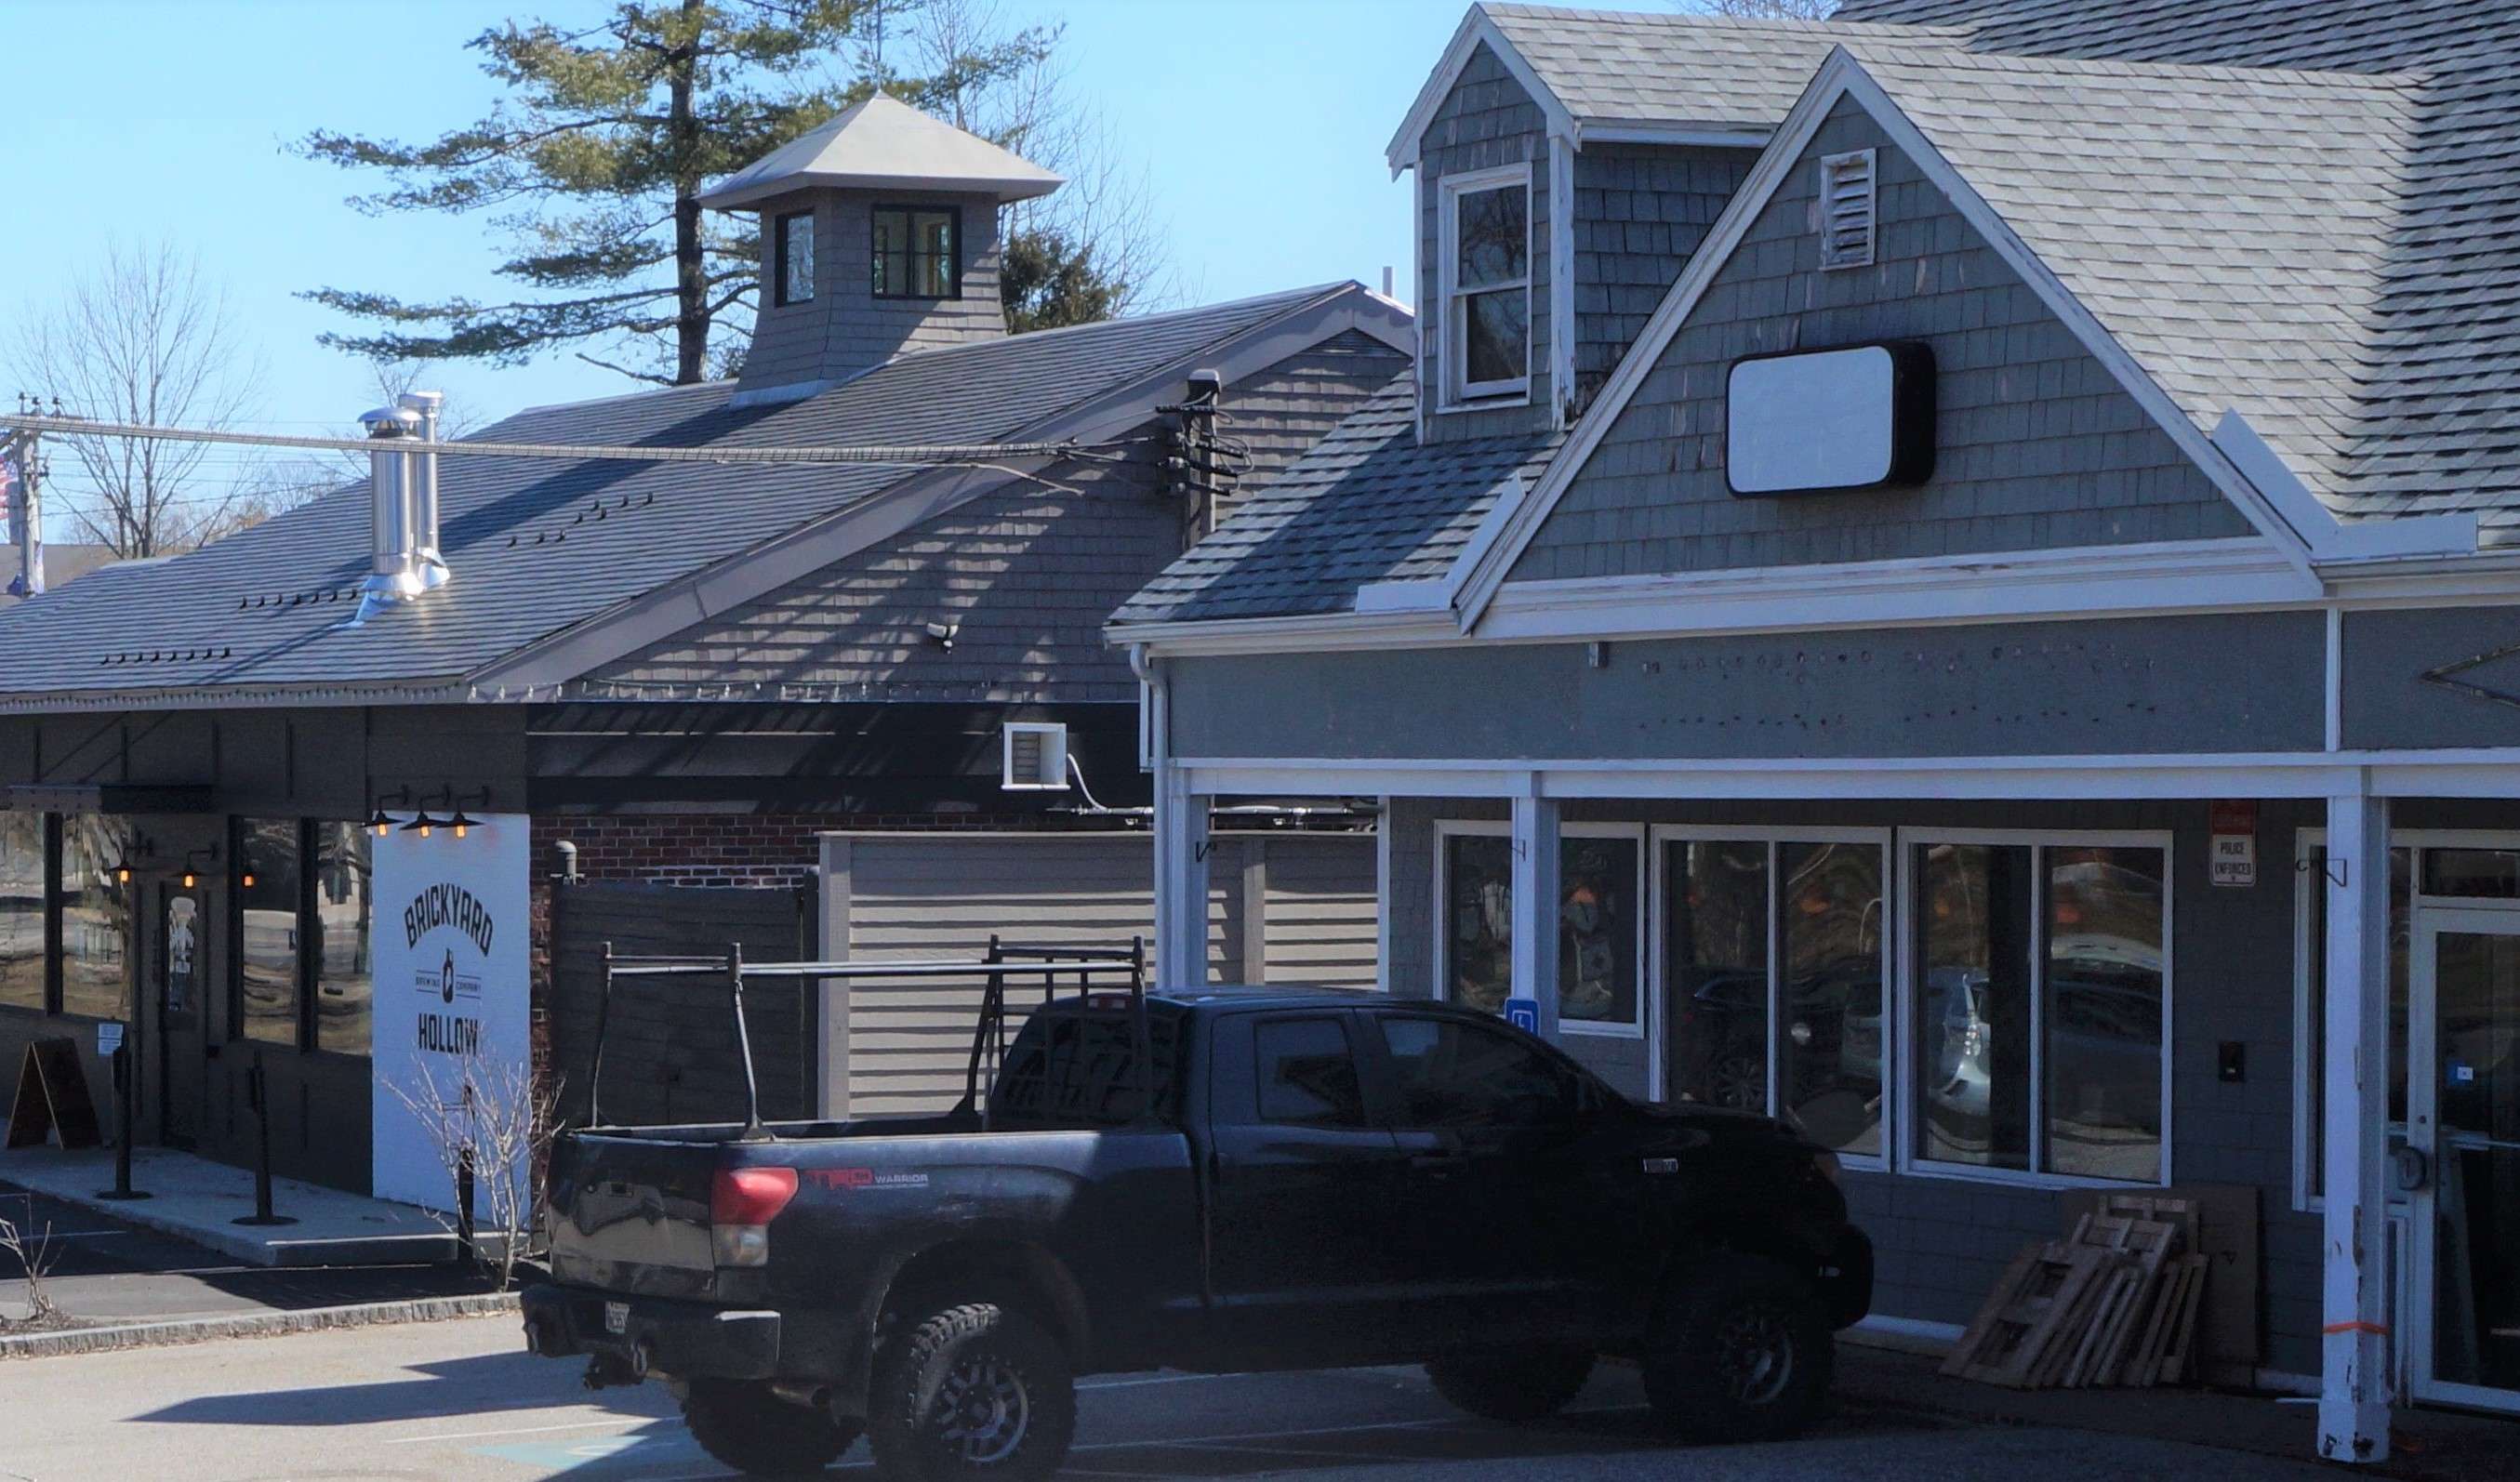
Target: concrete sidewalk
x=200 y=1201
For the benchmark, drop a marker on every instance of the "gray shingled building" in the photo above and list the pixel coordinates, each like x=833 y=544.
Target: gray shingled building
x=685 y=669
x=1949 y=574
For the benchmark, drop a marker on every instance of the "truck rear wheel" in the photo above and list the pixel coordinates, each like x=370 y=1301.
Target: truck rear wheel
x=754 y=1431
x=1516 y=1386
x=972 y=1391
x=1742 y=1351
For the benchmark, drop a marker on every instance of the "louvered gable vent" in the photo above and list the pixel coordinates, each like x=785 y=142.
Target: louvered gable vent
x=1846 y=210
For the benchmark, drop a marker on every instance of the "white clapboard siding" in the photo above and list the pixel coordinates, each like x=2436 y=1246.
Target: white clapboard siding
x=941 y=895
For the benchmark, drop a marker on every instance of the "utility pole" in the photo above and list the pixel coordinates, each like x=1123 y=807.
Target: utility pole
x=25 y=510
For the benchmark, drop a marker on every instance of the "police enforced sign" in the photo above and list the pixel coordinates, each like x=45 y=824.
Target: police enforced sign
x=2233 y=856
x=451 y=984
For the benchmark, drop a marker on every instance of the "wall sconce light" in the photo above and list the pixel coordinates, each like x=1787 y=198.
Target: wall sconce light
x=459 y=823
x=381 y=823
x=209 y=856
x=421 y=823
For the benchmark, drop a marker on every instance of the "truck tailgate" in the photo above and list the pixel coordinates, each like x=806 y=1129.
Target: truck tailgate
x=631 y=1213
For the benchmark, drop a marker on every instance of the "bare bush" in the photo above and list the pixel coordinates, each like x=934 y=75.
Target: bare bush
x=34 y=1257
x=497 y=1122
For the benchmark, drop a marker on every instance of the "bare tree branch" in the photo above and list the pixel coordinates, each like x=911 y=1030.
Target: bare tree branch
x=494 y=1123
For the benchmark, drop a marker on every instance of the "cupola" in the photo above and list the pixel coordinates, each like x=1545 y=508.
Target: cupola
x=879 y=239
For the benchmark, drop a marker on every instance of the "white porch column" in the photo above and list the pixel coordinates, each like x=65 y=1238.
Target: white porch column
x=1536 y=894
x=2354 y=1389
x=1181 y=882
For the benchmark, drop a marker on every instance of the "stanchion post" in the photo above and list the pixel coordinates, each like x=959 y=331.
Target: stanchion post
x=258 y=1095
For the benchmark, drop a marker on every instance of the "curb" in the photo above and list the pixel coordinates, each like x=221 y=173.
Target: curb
x=260 y=1325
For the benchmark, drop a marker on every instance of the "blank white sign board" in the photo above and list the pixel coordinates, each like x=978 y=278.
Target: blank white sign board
x=1827 y=420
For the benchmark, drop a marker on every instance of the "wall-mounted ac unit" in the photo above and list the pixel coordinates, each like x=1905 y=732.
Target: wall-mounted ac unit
x=1036 y=757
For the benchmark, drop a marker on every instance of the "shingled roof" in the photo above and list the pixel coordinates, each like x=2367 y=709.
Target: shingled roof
x=2320 y=230
x=2436 y=421
x=1367 y=504
x=538 y=546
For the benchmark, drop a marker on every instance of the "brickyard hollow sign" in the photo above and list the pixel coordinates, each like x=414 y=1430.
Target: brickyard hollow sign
x=452 y=991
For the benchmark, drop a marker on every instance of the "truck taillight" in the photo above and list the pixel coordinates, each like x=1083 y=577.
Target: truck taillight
x=750 y=1195
x=742 y=1201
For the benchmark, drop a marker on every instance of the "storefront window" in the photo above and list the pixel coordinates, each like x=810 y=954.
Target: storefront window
x=22 y=910
x=1478 y=920
x=2048 y=1058
x=1973 y=1039
x=96 y=918
x=1830 y=907
x=344 y=995
x=1597 y=928
x=268 y=920
x=2103 y=1015
x=1597 y=934
x=1717 y=971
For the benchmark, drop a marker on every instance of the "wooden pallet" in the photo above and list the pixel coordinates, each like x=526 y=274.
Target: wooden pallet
x=2115 y=1302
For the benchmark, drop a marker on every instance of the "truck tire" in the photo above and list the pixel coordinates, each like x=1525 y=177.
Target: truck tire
x=1741 y=1351
x=972 y=1391
x=754 y=1431
x=1516 y=1386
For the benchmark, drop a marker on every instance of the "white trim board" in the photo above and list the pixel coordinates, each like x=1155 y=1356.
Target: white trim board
x=1475 y=29
x=791 y=555
x=2447 y=774
x=1839 y=77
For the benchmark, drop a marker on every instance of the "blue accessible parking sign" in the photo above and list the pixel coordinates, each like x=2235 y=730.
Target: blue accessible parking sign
x=1523 y=1014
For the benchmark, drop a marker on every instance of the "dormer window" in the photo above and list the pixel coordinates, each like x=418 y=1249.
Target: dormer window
x=1486 y=283
x=918 y=252
x=796 y=257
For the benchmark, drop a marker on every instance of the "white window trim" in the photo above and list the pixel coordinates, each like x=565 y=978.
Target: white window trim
x=1909 y=1161
x=1773 y=837
x=1456 y=395
x=1642 y=1026
x=2305 y=1072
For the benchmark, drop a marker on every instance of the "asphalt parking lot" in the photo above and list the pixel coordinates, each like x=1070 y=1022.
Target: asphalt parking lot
x=460 y=1399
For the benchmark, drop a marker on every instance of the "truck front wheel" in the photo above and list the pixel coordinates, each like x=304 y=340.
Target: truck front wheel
x=1516 y=1386
x=1741 y=1351
x=754 y=1431
x=973 y=1391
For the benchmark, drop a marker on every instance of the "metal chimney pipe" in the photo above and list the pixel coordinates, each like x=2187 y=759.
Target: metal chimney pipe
x=393 y=573
x=421 y=493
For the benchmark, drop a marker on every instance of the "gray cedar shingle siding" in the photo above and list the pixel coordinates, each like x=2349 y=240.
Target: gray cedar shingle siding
x=1028 y=573
x=2036 y=446
x=1487 y=121
x=1641 y=211
x=844 y=329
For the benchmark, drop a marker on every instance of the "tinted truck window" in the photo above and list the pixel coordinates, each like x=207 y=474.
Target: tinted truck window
x=1465 y=1075
x=1080 y=1070
x=1307 y=1073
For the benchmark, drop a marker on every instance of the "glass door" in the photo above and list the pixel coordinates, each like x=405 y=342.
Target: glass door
x=182 y=1023
x=2463 y=1118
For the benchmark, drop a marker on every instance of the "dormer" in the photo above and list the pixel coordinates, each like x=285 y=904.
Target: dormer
x=1568 y=164
x=879 y=239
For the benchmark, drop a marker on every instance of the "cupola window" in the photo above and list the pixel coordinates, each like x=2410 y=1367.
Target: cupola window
x=918 y=252
x=795 y=258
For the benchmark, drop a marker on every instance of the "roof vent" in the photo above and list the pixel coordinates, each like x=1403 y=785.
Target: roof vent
x=1846 y=198
x=1036 y=756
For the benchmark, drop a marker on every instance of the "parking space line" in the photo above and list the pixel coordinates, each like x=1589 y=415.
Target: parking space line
x=1271 y=1435
x=1156 y=1379
x=523 y=1431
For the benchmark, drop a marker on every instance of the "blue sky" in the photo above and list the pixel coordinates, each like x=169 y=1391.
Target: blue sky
x=1263 y=122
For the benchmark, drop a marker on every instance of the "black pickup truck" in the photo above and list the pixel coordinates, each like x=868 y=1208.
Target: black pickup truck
x=1220 y=1181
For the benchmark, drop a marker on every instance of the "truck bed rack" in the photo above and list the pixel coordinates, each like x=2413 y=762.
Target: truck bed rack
x=988 y=1042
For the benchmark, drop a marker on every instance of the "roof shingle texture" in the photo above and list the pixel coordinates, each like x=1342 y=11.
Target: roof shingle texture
x=537 y=545
x=2435 y=421
x=1367 y=504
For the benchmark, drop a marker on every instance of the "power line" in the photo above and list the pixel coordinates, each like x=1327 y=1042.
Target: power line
x=912 y=455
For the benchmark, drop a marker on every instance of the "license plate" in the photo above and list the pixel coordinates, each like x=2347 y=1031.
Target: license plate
x=616 y=1317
